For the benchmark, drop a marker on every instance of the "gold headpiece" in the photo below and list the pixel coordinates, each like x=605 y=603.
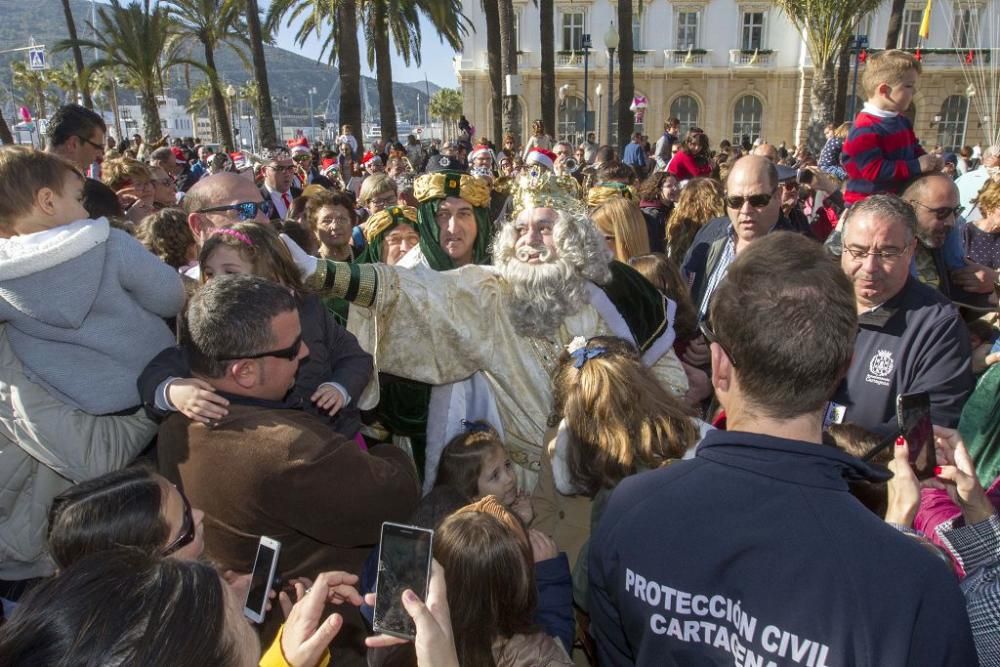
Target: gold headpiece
x=602 y=192
x=543 y=189
x=388 y=217
x=441 y=184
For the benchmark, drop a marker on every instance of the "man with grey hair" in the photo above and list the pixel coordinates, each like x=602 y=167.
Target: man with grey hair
x=553 y=281
x=910 y=338
x=286 y=473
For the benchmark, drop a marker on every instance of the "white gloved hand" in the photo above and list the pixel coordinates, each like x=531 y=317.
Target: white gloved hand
x=303 y=260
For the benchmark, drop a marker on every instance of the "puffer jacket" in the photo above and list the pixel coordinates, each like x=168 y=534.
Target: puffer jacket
x=535 y=650
x=46 y=447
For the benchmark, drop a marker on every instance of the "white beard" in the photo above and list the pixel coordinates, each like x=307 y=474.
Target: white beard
x=542 y=296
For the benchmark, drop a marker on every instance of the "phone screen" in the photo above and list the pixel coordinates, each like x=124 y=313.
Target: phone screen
x=260 y=580
x=913 y=412
x=404 y=561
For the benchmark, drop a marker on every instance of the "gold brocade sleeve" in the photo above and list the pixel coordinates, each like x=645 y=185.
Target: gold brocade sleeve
x=356 y=283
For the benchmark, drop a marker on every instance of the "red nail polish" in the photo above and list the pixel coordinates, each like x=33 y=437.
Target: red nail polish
x=937 y=471
x=900 y=441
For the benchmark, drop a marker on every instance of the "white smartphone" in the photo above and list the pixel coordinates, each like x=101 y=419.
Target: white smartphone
x=404 y=561
x=262 y=578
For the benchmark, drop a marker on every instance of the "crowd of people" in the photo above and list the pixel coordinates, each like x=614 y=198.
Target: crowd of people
x=646 y=399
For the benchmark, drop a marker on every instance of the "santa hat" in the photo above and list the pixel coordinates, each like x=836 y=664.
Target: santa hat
x=371 y=157
x=326 y=162
x=301 y=141
x=481 y=149
x=300 y=150
x=178 y=153
x=541 y=156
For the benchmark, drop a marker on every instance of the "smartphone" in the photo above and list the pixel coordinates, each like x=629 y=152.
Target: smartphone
x=996 y=346
x=404 y=561
x=262 y=579
x=913 y=414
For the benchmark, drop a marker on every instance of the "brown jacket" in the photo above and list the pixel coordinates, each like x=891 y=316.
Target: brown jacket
x=285 y=474
x=534 y=650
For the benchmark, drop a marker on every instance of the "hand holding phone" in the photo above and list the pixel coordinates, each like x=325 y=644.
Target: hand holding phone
x=262 y=578
x=913 y=415
x=404 y=562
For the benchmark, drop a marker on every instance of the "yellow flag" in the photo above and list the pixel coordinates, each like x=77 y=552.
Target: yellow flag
x=925 y=23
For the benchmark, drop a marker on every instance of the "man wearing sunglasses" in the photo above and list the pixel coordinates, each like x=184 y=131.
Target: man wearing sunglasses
x=753 y=205
x=279 y=171
x=77 y=134
x=267 y=468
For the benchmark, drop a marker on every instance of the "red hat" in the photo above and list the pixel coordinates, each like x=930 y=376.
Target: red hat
x=542 y=156
x=178 y=153
x=300 y=141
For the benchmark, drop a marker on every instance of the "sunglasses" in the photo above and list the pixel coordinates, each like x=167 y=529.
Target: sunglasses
x=289 y=353
x=710 y=336
x=756 y=201
x=285 y=169
x=247 y=210
x=187 y=529
x=92 y=144
x=943 y=212
x=302 y=158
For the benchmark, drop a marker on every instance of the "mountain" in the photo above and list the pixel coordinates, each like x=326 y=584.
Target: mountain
x=290 y=74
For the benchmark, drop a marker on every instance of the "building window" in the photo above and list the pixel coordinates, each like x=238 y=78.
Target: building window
x=687 y=30
x=951 y=129
x=747 y=119
x=909 y=36
x=571 y=121
x=572 y=31
x=685 y=109
x=517 y=31
x=752 y=34
x=636 y=31
x=964 y=27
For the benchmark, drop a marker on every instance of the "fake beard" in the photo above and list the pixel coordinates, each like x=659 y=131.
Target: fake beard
x=541 y=295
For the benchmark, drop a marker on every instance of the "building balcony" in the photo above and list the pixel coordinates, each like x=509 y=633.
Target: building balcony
x=640 y=59
x=693 y=58
x=758 y=58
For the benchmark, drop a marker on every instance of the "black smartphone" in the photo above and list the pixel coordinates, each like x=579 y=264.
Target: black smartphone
x=261 y=579
x=913 y=414
x=404 y=561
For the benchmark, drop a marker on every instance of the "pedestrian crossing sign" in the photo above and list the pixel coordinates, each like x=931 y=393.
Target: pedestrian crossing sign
x=36 y=58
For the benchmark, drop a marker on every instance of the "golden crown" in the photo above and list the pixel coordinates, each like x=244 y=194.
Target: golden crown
x=543 y=189
x=388 y=217
x=441 y=184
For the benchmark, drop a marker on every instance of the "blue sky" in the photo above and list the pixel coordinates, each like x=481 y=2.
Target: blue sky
x=436 y=58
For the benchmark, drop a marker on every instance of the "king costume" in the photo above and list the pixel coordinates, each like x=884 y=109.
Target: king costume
x=445 y=327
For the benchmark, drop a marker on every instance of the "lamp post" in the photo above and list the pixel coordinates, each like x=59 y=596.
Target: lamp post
x=231 y=94
x=585 y=44
x=312 y=120
x=611 y=41
x=599 y=90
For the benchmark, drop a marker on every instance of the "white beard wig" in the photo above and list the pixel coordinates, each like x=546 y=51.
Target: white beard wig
x=541 y=296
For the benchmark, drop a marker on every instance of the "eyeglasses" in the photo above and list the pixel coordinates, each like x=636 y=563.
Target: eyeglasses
x=756 y=201
x=333 y=222
x=99 y=147
x=187 y=529
x=284 y=169
x=885 y=255
x=710 y=336
x=247 y=210
x=789 y=185
x=289 y=353
x=302 y=158
x=383 y=201
x=943 y=212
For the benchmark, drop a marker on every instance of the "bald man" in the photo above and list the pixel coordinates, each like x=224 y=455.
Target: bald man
x=766 y=151
x=934 y=198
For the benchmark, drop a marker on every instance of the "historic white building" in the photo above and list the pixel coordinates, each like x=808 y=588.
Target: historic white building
x=733 y=68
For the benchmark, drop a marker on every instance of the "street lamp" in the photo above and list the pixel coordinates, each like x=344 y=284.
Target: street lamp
x=585 y=45
x=312 y=120
x=611 y=42
x=231 y=93
x=599 y=90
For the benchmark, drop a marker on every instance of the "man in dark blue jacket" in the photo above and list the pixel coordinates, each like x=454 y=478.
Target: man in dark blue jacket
x=755 y=552
x=910 y=337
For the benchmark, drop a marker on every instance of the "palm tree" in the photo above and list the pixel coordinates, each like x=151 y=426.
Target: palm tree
x=200 y=101
x=446 y=104
x=138 y=39
x=5 y=136
x=342 y=33
x=495 y=64
x=33 y=84
x=265 y=116
x=548 y=65
x=400 y=19
x=827 y=26
x=895 y=23
x=213 y=23
x=82 y=83
x=508 y=57
x=65 y=79
x=626 y=81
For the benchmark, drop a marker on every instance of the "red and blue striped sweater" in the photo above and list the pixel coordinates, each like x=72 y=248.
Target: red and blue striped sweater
x=879 y=156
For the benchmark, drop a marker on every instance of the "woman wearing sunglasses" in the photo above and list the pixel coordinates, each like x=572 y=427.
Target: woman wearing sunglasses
x=134 y=507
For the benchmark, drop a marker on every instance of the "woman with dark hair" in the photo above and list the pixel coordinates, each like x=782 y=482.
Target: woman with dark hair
x=134 y=507
x=486 y=555
x=692 y=160
x=657 y=196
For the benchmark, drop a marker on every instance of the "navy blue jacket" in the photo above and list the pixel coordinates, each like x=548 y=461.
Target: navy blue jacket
x=915 y=341
x=755 y=553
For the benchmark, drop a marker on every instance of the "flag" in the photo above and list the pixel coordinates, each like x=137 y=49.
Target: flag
x=925 y=23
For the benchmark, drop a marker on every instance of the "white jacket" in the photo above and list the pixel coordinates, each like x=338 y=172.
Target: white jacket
x=46 y=447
